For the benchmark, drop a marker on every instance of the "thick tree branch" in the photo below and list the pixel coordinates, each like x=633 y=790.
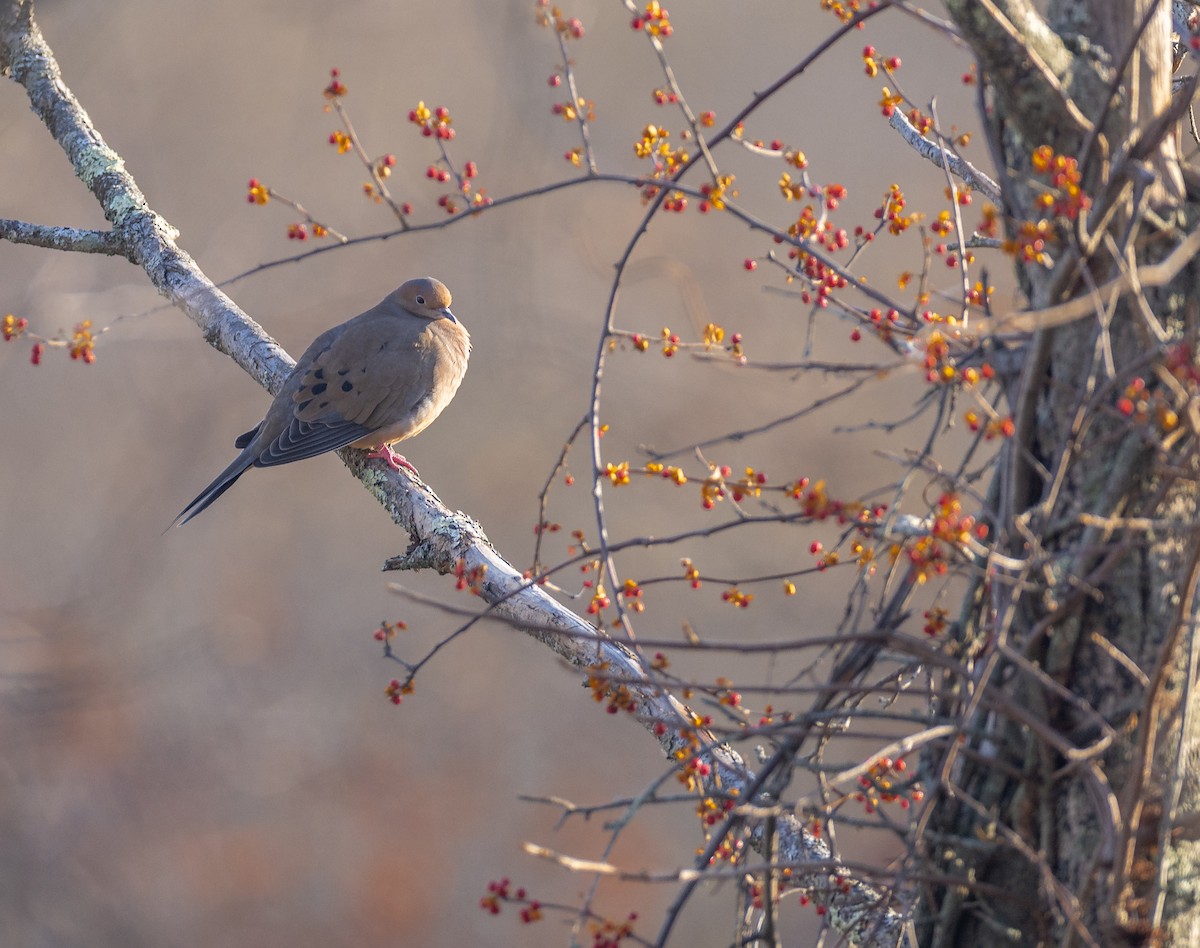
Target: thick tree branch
x=142 y=235
x=440 y=539
x=1023 y=58
x=443 y=540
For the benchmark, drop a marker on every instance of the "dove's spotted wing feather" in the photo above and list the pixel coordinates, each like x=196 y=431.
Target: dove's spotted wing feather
x=385 y=379
x=378 y=378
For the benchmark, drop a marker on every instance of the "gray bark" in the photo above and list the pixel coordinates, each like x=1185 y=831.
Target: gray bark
x=441 y=539
x=1093 y=839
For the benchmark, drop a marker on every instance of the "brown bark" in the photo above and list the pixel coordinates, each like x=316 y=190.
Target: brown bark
x=1091 y=836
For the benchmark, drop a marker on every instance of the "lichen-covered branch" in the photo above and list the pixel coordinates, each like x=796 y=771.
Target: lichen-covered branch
x=932 y=151
x=1027 y=63
x=440 y=539
x=72 y=239
x=142 y=235
x=444 y=541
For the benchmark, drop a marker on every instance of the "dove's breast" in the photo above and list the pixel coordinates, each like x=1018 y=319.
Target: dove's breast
x=443 y=349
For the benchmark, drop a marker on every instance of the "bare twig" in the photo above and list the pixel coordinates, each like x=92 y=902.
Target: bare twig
x=944 y=158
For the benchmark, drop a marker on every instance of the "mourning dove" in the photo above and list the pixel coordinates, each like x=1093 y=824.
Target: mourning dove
x=376 y=379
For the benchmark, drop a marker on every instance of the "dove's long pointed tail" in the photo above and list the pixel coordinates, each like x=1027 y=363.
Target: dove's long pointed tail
x=242 y=463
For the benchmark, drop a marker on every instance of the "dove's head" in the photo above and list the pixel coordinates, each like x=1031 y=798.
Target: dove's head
x=425 y=297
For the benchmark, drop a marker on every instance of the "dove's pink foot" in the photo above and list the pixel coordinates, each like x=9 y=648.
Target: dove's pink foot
x=394 y=461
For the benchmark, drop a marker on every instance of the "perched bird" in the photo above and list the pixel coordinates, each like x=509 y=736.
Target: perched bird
x=376 y=379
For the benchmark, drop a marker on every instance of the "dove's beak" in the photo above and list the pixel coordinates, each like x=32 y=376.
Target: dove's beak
x=446 y=314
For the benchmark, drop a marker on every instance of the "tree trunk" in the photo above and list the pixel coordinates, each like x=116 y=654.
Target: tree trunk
x=1090 y=833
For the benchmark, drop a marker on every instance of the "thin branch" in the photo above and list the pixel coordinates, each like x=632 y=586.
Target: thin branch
x=1129 y=281
x=61 y=238
x=944 y=158
x=581 y=118
x=441 y=539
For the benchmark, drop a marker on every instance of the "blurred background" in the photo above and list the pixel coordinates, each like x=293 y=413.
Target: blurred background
x=197 y=746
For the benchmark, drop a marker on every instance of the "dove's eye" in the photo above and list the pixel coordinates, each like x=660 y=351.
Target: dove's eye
x=421 y=300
